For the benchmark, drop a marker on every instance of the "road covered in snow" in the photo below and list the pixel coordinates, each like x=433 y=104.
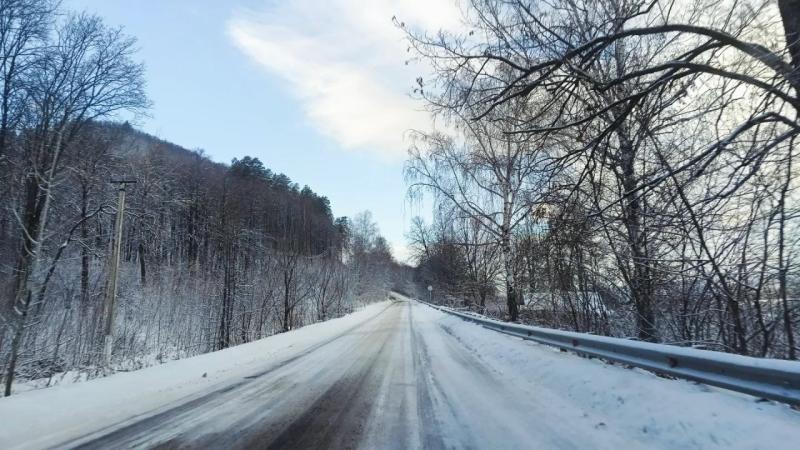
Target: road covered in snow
x=393 y=375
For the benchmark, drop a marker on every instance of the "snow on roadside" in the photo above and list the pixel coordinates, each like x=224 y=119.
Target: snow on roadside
x=644 y=409
x=46 y=417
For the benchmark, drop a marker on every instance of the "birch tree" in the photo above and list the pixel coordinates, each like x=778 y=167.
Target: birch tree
x=489 y=176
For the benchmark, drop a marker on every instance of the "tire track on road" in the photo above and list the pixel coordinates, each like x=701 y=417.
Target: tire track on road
x=131 y=430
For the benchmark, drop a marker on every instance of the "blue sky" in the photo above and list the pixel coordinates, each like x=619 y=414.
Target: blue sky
x=317 y=90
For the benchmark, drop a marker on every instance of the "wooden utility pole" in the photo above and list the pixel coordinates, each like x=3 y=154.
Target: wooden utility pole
x=111 y=285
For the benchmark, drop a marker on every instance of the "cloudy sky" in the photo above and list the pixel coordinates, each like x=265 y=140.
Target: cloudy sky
x=315 y=89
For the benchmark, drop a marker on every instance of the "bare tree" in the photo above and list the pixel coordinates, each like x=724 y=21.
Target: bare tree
x=491 y=177
x=669 y=119
x=85 y=74
x=24 y=29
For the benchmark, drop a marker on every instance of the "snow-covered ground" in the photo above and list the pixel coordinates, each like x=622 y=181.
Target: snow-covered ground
x=394 y=375
x=611 y=406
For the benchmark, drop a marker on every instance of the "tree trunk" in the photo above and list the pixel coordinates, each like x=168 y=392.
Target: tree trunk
x=37 y=209
x=16 y=343
x=286 y=311
x=790 y=15
x=84 y=251
x=228 y=294
x=782 y=262
x=640 y=282
x=142 y=267
x=508 y=266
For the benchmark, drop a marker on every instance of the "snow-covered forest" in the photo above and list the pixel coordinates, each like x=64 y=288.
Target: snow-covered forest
x=211 y=255
x=622 y=167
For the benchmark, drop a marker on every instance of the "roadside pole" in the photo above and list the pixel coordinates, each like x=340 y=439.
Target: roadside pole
x=430 y=294
x=113 y=269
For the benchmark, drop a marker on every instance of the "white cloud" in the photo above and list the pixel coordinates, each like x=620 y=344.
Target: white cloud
x=344 y=59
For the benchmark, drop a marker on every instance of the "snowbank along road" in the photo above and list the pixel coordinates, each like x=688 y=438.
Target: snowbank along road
x=394 y=375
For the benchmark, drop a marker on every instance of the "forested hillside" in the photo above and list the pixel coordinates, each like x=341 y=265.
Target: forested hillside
x=211 y=255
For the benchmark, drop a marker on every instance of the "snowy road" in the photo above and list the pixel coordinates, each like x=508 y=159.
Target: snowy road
x=406 y=376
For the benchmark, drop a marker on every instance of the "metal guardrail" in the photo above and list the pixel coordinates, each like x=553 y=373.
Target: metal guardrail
x=772 y=379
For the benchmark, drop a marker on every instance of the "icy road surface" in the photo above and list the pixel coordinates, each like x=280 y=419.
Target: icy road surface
x=394 y=375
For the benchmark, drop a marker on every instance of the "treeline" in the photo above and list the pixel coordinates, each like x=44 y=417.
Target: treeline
x=212 y=255
x=624 y=167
